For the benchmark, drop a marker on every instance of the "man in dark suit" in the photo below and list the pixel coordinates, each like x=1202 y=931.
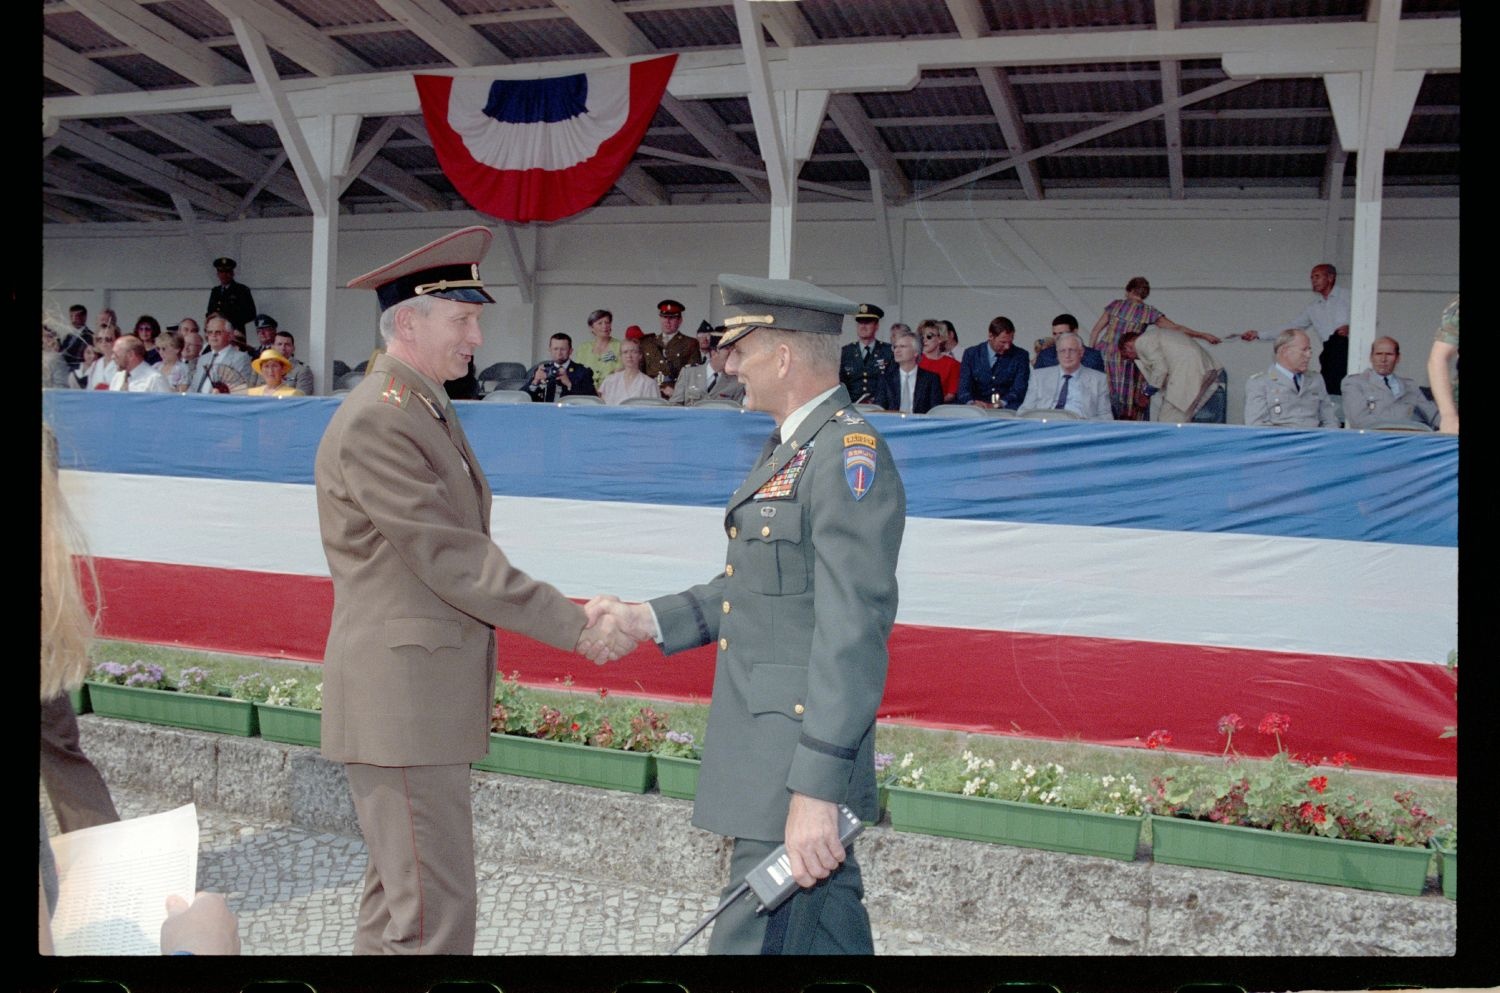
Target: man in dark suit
x=418 y=588
x=559 y=376
x=229 y=298
x=995 y=373
x=1046 y=350
x=862 y=362
x=905 y=386
x=800 y=614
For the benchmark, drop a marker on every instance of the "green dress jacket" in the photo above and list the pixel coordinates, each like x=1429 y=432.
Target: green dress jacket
x=801 y=615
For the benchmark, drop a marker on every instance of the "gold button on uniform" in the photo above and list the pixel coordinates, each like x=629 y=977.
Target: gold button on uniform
x=729 y=570
x=798 y=709
x=723 y=643
x=765 y=532
x=734 y=532
x=726 y=606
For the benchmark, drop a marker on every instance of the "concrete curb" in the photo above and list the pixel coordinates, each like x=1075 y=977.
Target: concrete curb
x=938 y=893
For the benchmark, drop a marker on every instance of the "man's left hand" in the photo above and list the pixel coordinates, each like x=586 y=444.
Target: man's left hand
x=812 y=839
x=1342 y=329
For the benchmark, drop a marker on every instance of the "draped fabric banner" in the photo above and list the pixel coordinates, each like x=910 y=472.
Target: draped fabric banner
x=541 y=149
x=1079 y=580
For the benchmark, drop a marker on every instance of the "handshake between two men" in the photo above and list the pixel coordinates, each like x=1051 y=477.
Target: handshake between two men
x=614 y=629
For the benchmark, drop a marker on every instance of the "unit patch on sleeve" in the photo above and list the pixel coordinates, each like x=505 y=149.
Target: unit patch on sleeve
x=782 y=485
x=859 y=463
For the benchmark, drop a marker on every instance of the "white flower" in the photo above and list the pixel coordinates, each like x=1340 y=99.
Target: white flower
x=1030 y=771
x=973 y=785
x=906 y=760
x=1015 y=765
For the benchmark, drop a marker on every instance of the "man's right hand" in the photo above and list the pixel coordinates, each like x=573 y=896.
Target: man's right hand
x=1250 y=336
x=541 y=375
x=635 y=619
x=204 y=927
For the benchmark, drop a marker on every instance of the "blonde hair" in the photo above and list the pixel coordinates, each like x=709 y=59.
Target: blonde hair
x=67 y=621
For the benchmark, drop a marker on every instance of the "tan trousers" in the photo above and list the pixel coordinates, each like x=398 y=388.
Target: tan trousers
x=418 y=825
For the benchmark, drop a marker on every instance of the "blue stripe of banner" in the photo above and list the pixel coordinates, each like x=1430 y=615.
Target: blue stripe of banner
x=531 y=101
x=1309 y=484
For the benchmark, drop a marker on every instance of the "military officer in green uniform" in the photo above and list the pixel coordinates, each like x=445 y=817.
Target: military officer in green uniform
x=665 y=355
x=229 y=298
x=863 y=362
x=800 y=615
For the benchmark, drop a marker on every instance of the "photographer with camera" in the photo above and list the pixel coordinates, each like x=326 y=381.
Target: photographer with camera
x=559 y=376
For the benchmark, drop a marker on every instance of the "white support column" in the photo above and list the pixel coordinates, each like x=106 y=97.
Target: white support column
x=1333 y=181
x=330 y=141
x=883 y=234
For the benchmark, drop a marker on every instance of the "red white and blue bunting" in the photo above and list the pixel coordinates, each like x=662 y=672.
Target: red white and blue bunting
x=541 y=149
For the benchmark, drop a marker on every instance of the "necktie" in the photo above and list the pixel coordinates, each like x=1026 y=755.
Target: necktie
x=770 y=446
x=1297 y=381
x=1387 y=380
x=206 y=370
x=869 y=352
x=711 y=381
x=1062 y=394
x=907 y=381
x=994 y=357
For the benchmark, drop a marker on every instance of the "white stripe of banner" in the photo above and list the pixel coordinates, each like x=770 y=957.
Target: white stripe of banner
x=1316 y=596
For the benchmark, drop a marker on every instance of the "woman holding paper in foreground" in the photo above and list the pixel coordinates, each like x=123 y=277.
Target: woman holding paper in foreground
x=204 y=927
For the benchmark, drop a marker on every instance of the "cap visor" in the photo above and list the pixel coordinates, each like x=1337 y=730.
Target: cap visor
x=464 y=295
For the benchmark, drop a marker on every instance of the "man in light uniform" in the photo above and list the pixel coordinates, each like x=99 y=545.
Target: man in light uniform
x=1378 y=396
x=1287 y=395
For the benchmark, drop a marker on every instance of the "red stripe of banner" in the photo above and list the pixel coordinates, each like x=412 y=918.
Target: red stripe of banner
x=1388 y=714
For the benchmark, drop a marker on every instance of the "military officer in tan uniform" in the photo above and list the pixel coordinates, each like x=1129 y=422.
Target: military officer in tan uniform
x=409 y=671
x=800 y=614
x=665 y=355
x=1286 y=395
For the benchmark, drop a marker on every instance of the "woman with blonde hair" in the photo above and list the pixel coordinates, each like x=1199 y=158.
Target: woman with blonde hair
x=629 y=381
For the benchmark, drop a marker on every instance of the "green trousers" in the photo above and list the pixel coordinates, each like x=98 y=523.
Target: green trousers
x=827 y=919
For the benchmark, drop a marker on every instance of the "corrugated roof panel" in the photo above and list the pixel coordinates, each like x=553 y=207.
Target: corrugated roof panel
x=1104 y=167
x=732 y=110
x=337 y=13
x=1423 y=164
x=937 y=101
x=258 y=136
x=146 y=141
x=1293 y=93
x=967 y=138
x=1253 y=166
x=932 y=171
x=837 y=173
x=285 y=67
x=495 y=6
x=685 y=144
x=146 y=73
x=831 y=141
x=1439 y=87
x=1040 y=15
x=53 y=89
x=1428 y=129
x=682 y=175
x=393 y=49
x=1060 y=98
x=77 y=32
x=1257 y=131
x=701 y=27
x=1260 y=11
x=1430 y=8
x=193 y=17
x=1145 y=134
x=411 y=157
x=836 y=19
x=530 y=41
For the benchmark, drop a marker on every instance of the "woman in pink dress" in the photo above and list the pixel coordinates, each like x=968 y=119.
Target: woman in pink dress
x=1126 y=387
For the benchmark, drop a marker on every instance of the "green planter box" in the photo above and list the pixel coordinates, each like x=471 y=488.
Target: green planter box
x=1309 y=858
x=1450 y=875
x=1029 y=825
x=80 y=698
x=565 y=762
x=290 y=725
x=677 y=776
x=183 y=710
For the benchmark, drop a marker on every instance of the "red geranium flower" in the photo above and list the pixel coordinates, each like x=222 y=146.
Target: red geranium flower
x=1313 y=814
x=1158 y=738
x=1318 y=783
x=1230 y=723
x=1274 y=724
x=1342 y=759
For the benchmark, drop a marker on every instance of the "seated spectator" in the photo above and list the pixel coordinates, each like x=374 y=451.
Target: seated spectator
x=98 y=366
x=629 y=381
x=192 y=345
x=55 y=372
x=172 y=368
x=133 y=374
x=560 y=376
x=904 y=385
x=1286 y=395
x=995 y=373
x=1445 y=381
x=601 y=351
x=272 y=367
x=265 y=332
x=77 y=339
x=1180 y=374
x=708 y=381
x=224 y=368
x=1379 y=396
x=1069 y=385
x=301 y=376
x=865 y=359
x=146 y=329
x=664 y=355
x=950 y=339
x=1045 y=356
x=933 y=360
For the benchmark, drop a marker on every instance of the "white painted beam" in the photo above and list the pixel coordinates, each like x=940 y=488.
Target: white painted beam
x=295 y=38
x=208 y=142
x=995 y=82
x=1128 y=120
x=366 y=153
x=161 y=41
x=608 y=26
x=638 y=185
x=1333 y=193
x=435 y=23
x=79 y=73
x=316 y=186
x=1171 y=92
x=91 y=143
x=883 y=241
x=272 y=168
x=391 y=179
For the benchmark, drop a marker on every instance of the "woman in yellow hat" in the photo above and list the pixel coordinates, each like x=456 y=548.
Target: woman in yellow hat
x=272 y=366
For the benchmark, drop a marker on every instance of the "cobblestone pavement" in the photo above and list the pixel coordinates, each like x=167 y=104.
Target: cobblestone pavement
x=295 y=892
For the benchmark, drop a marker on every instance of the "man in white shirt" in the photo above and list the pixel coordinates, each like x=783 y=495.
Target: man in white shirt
x=1378 y=396
x=1069 y=385
x=1328 y=318
x=133 y=375
x=223 y=366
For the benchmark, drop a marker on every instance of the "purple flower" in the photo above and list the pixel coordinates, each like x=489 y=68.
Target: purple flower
x=680 y=737
x=883 y=761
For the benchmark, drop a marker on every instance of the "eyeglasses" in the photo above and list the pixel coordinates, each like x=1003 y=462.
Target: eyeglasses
x=929 y=337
